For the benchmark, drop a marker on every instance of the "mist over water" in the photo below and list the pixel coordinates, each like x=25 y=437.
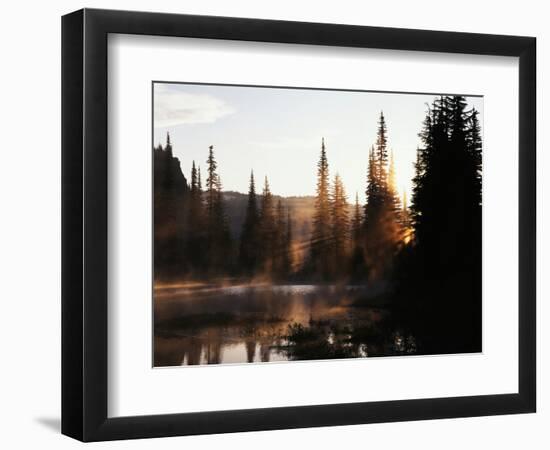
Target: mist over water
x=204 y=324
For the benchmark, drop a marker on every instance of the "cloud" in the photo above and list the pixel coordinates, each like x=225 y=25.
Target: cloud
x=173 y=107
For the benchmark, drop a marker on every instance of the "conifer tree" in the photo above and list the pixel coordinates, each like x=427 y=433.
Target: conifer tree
x=199 y=182
x=382 y=152
x=444 y=268
x=168 y=148
x=321 y=233
x=358 y=270
x=287 y=256
x=396 y=222
x=474 y=149
x=382 y=231
x=280 y=239
x=212 y=184
x=356 y=223
x=406 y=222
x=196 y=194
x=217 y=229
x=392 y=187
x=405 y=214
x=171 y=215
x=372 y=192
x=196 y=222
x=340 y=223
x=250 y=239
x=267 y=229
x=193 y=177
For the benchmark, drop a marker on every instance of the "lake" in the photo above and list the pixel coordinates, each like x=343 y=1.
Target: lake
x=214 y=324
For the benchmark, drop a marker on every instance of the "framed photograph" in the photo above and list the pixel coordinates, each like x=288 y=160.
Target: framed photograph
x=273 y=224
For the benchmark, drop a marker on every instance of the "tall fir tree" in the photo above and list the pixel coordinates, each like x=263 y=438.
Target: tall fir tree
x=196 y=234
x=212 y=183
x=381 y=219
x=396 y=222
x=193 y=177
x=267 y=229
x=340 y=225
x=443 y=271
x=392 y=187
x=405 y=214
x=382 y=152
x=321 y=232
x=373 y=192
x=217 y=228
x=199 y=181
x=196 y=195
x=249 y=256
x=288 y=254
x=358 y=270
x=168 y=148
x=357 y=222
x=474 y=149
x=280 y=239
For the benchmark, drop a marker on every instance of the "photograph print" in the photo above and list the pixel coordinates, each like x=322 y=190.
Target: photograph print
x=295 y=224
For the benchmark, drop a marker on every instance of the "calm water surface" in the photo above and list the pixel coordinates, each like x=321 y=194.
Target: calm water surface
x=239 y=324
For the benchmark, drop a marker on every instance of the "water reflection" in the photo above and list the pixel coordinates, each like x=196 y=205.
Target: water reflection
x=245 y=324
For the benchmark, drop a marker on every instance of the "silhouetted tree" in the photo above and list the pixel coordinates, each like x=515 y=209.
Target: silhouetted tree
x=473 y=141
x=194 y=178
x=340 y=225
x=392 y=189
x=212 y=183
x=171 y=213
x=168 y=148
x=406 y=223
x=280 y=240
x=249 y=255
x=196 y=235
x=382 y=152
x=288 y=254
x=356 y=223
x=382 y=231
x=441 y=273
x=217 y=229
x=321 y=232
x=268 y=229
x=199 y=182
x=358 y=270
x=250 y=344
x=373 y=192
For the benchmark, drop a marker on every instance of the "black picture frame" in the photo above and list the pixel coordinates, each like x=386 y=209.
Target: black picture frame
x=84 y=224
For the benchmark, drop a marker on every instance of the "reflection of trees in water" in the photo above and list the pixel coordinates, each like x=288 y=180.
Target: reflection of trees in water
x=172 y=354
x=238 y=325
x=213 y=348
x=194 y=350
x=206 y=346
x=250 y=344
x=265 y=351
x=351 y=339
x=323 y=339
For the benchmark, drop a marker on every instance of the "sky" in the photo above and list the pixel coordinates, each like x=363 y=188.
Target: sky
x=277 y=132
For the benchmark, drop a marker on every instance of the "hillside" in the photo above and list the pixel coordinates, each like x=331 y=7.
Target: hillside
x=301 y=211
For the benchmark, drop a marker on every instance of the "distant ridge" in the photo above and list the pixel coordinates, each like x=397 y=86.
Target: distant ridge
x=301 y=208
